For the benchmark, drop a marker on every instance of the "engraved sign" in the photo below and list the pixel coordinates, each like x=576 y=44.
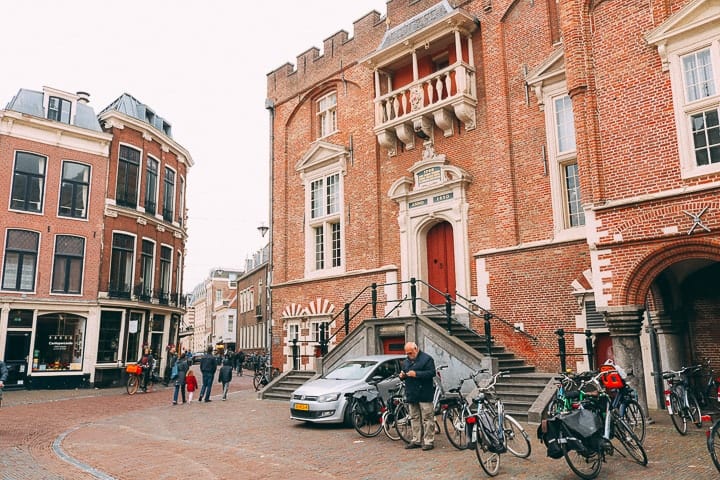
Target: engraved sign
x=443 y=197
x=418 y=203
x=428 y=176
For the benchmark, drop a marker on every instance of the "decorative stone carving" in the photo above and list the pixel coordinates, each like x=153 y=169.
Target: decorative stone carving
x=406 y=135
x=445 y=120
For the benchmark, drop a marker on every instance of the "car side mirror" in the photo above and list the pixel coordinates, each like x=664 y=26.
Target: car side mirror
x=376 y=378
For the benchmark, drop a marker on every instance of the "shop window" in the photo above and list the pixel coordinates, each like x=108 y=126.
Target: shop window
x=109 y=340
x=58 y=343
x=133 y=329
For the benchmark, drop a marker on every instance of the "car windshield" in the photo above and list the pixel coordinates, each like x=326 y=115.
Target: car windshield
x=353 y=370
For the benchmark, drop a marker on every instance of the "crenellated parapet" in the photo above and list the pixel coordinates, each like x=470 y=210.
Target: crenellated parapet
x=339 y=51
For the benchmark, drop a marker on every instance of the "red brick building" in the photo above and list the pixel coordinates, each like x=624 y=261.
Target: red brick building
x=553 y=162
x=93 y=237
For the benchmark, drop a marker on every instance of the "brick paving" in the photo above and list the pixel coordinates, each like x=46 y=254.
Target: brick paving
x=143 y=436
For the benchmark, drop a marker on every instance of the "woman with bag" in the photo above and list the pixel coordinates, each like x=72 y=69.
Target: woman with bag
x=178 y=371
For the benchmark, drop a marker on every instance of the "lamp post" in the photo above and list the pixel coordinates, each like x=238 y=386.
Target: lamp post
x=263 y=229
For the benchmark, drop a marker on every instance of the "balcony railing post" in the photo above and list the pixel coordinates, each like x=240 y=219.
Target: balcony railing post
x=413 y=295
x=373 y=296
x=347 y=318
x=295 y=354
x=448 y=313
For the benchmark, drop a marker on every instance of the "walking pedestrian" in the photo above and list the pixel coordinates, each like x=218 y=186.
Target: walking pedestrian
x=182 y=368
x=418 y=370
x=208 y=367
x=191 y=382
x=225 y=377
x=3 y=378
x=240 y=358
x=147 y=362
x=172 y=358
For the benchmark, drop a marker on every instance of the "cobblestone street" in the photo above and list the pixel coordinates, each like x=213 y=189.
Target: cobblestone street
x=66 y=434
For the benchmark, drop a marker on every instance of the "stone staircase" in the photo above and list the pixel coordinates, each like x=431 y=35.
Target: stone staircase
x=521 y=388
x=282 y=387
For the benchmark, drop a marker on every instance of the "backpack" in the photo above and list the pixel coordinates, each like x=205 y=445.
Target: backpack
x=492 y=436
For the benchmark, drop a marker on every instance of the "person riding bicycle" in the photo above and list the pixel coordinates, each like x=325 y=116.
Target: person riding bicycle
x=147 y=362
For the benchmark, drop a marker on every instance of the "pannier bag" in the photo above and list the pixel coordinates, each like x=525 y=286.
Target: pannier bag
x=488 y=429
x=578 y=430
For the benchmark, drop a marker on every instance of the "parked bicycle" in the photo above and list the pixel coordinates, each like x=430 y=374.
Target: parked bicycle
x=440 y=398
x=136 y=379
x=583 y=436
x=681 y=404
x=369 y=411
x=706 y=388
x=264 y=375
x=713 y=440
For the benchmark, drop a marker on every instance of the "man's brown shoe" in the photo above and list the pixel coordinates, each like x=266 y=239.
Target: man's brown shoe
x=428 y=447
x=411 y=446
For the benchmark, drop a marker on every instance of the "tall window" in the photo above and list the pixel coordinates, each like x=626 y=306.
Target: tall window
x=68 y=264
x=59 y=109
x=127 y=179
x=28 y=182
x=165 y=272
x=21 y=250
x=327 y=114
x=169 y=195
x=146 y=269
x=700 y=85
x=74 y=190
x=151 y=185
x=121 y=265
x=325 y=221
x=181 y=202
x=564 y=167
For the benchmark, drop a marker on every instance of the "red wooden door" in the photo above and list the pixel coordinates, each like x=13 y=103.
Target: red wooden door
x=441 y=262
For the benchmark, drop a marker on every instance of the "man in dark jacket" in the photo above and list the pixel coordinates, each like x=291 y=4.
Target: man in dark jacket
x=208 y=366
x=3 y=377
x=418 y=371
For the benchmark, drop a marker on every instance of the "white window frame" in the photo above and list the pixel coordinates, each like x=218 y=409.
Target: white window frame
x=324 y=220
x=293 y=327
x=327 y=116
x=557 y=161
x=170 y=270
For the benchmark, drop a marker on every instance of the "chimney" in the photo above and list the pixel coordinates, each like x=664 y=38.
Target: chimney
x=83 y=97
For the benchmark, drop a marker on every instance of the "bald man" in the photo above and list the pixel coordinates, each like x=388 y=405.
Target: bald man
x=418 y=370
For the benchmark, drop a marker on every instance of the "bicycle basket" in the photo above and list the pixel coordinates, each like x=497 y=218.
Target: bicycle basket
x=134 y=369
x=611 y=379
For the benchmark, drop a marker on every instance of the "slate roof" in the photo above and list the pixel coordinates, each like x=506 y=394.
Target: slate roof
x=418 y=22
x=30 y=102
x=131 y=106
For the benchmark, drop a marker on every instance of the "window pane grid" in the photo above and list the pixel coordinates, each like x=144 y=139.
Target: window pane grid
x=706 y=137
x=128 y=166
x=74 y=190
x=576 y=216
x=68 y=264
x=698 y=73
x=319 y=248
x=20 y=260
x=565 y=127
x=333 y=194
x=316 y=199
x=28 y=182
x=336 y=251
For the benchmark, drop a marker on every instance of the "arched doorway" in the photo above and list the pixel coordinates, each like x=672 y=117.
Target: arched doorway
x=440 y=262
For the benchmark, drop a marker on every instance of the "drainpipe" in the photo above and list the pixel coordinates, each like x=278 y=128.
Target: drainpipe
x=270 y=107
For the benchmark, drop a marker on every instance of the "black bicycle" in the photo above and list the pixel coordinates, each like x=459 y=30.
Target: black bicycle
x=681 y=404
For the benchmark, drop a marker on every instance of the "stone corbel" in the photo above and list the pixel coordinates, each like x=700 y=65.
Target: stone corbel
x=445 y=120
x=406 y=135
x=423 y=128
x=466 y=114
x=387 y=139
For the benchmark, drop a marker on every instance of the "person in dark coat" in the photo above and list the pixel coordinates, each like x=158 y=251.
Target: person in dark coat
x=3 y=377
x=208 y=366
x=418 y=371
x=225 y=376
x=182 y=367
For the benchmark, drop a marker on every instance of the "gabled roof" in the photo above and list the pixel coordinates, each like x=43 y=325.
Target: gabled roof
x=694 y=15
x=321 y=153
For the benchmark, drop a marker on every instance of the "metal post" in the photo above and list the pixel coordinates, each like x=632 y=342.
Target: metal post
x=373 y=296
x=413 y=295
x=295 y=354
x=448 y=313
x=590 y=349
x=656 y=363
x=561 y=348
x=347 y=318
x=324 y=334
x=488 y=335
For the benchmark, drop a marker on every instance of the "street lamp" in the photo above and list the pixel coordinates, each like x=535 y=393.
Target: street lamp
x=263 y=229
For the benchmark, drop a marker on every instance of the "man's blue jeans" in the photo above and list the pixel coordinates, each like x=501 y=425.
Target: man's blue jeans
x=207 y=381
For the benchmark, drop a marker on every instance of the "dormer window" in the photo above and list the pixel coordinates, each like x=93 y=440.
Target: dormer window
x=59 y=109
x=327 y=114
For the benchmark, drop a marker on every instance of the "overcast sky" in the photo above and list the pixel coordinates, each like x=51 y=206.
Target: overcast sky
x=200 y=65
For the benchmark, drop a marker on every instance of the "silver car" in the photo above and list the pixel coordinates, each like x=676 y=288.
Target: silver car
x=323 y=400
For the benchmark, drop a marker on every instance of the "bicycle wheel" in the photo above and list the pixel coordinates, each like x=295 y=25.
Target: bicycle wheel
x=132 y=384
x=454 y=423
x=629 y=440
x=635 y=418
x=694 y=414
x=365 y=423
x=257 y=381
x=402 y=423
x=388 y=425
x=489 y=461
x=585 y=465
x=677 y=416
x=516 y=438
x=713 y=444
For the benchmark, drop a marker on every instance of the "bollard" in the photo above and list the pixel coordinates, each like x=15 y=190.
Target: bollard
x=295 y=354
x=488 y=336
x=561 y=348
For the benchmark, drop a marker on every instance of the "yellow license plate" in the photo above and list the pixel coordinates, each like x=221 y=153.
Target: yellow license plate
x=302 y=406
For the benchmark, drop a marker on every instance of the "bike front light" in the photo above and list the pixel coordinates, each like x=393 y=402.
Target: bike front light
x=329 y=397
